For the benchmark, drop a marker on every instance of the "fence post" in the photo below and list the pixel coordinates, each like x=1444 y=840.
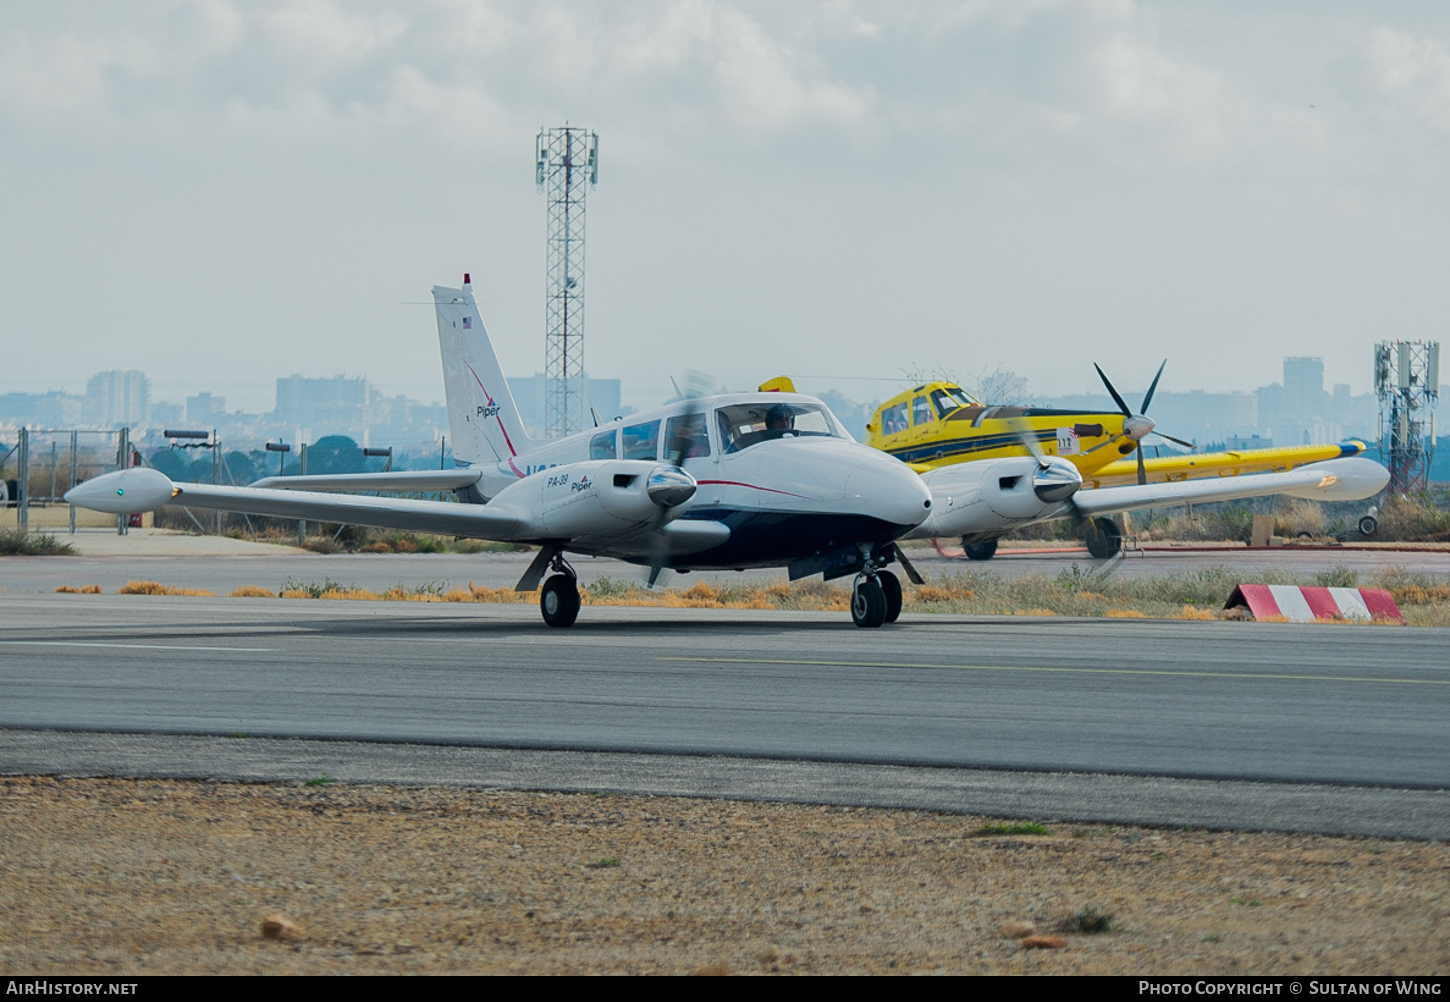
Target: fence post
x=22 y=466
x=216 y=516
x=123 y=456
x=302 y=471
x=73 y=471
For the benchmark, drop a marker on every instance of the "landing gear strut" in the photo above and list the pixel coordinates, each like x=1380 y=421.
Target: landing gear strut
x=559 y=598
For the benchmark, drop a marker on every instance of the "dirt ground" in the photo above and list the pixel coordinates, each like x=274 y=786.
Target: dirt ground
x=152 y=877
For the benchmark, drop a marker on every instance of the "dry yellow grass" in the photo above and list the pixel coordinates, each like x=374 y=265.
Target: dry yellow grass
x=252 y=591
x=83 y=590
x=1125 y=614
x=1193 y=612
x=157 y=588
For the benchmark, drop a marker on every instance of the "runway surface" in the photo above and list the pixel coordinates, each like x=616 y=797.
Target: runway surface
x=222 y=574
x=1263 y=703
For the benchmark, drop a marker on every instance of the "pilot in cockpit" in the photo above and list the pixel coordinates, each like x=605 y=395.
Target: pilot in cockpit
x=780 y=418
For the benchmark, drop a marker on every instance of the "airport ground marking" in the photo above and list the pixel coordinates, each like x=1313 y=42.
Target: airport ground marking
x=137 y=647
x=1074 y=671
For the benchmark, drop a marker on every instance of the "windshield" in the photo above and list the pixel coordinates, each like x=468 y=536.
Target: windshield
x=744 y=425
x=950 y=398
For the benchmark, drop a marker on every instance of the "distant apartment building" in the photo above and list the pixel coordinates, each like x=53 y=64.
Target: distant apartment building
x=1299 y=411
x=117 y=398
x=529 y=394
x=205 y=410
x=41 y=410
x=310 y=407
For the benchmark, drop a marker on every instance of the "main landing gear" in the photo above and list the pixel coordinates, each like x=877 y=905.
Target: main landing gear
x=876 y=599
x=1103 y=538
x=559 y=598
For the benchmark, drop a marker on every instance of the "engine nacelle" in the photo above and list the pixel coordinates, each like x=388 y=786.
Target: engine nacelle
x=971 y=498
x=600 y=497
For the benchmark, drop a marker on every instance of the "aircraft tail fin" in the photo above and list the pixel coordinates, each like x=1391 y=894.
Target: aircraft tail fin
x=482 y=416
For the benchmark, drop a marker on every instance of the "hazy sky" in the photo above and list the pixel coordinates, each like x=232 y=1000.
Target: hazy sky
x=221 y=193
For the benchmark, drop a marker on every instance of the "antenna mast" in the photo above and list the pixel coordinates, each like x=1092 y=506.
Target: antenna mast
x=1407 y=382
x=567 y=166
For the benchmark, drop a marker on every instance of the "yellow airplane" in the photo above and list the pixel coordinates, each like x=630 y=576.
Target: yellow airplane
x=939 y=424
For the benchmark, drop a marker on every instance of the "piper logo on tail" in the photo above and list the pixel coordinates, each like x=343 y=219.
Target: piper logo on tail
x=487 y=412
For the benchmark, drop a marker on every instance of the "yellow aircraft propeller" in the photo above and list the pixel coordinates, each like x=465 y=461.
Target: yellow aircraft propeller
x=1137 y=426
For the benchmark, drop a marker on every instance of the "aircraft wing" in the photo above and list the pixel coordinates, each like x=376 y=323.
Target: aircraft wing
x=144 y=489
x=403 y=480
x=1224 y=464
x=1335 y=480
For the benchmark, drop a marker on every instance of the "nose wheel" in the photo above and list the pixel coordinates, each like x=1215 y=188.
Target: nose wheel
x=876 y=599
x=559 y=598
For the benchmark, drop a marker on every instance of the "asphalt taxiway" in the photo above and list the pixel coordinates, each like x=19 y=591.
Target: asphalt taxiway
x=1261 y=713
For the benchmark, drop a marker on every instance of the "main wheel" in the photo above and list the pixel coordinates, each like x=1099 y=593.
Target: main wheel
x=1103 y=539
x=981 y=551
x=1368 y=525
x=868 y=603
x=559 y=601
x=891 y=588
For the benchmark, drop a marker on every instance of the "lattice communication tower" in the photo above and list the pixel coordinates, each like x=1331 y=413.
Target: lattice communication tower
x=1407 y=382
x=567 y=167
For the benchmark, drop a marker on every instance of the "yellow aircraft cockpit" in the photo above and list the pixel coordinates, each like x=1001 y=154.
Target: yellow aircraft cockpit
x=939 y=423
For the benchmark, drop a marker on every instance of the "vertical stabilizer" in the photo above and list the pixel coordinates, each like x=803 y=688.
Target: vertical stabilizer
x=482 y=416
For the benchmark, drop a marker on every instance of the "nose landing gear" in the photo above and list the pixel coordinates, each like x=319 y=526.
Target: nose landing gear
x=876 y=599
x=559 y=598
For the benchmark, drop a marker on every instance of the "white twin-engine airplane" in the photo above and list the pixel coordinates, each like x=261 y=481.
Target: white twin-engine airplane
x=730 y=481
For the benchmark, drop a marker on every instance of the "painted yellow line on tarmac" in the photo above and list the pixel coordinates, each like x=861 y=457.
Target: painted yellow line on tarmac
x=1069 y=671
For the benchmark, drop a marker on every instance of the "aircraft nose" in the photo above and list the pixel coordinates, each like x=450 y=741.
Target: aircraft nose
x=889 y=490
x=1137 y=426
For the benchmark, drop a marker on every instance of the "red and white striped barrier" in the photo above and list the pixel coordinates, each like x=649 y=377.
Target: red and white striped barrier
x=1300 y=604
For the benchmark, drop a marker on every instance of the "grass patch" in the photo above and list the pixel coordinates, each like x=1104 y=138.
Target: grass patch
x=1092 y=921
x=322 y=780
x=82 y=590
x=603 y=864
x=1014 y=828
x=157 y=588
x=251 y=591
x=14 y=543
x=1196 y=594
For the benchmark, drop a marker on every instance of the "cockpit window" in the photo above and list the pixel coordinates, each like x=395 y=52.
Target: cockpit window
x=686 y=437
x=744 y=425
x=921 y=412
x=601 y=446
x=949 y=399
x=893 y=419
x=639 y=441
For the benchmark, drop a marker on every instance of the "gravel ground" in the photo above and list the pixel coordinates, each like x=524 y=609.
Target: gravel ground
x=113 y=876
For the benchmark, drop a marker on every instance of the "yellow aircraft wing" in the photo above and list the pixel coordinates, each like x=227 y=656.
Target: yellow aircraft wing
x=1193 y=466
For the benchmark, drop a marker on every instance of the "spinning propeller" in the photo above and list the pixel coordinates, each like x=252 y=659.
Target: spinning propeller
x=671 y=486
x=1140 y=425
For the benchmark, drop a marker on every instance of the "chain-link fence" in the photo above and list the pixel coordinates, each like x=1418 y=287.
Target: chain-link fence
x=37 y=467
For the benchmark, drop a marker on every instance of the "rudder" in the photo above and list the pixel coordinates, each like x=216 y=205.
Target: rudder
x=482 y=416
